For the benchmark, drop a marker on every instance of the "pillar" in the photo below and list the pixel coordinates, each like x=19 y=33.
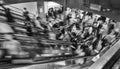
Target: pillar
x=40 y=6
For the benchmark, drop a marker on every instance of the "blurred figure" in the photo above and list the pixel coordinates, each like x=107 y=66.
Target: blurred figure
x=12 y=46
x=4 y=28
x=8 y=14
x=29 y=29
x=51 y=13
x=80 y=52
x=111 y=26
x=37 y=23
x=52 y=36
x=88 y=19
x=26 y=15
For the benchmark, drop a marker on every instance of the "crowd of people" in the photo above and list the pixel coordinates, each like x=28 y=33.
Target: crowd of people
x=86 y=31
x=79 y=26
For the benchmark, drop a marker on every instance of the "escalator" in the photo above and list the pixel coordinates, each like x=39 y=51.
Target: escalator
x=28 y=41
x=116 y=65
x=51 y=59
x=114 y=62
x=109 y=58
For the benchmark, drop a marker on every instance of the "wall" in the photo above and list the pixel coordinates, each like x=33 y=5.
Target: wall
x=50 y=4
x=31 y=7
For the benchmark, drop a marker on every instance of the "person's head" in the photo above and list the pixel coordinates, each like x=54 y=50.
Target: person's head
x=102 y=19
x=84 y=47
x=74 y=34
x=61 y=23
x=38 y=18
x=25 y=8
x=78 y=26
x=51 y=9
x=89 y=14
x=8 y=9
x=112 y=21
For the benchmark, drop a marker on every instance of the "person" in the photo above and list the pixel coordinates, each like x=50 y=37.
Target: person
x=80 y=52
x=111 y=26
x=51 y=13
x=89 y=19
x=8 y=14
x=12 y=46
x=52 y=36
x=26 y=15
x=37 y=23
x=29 y=28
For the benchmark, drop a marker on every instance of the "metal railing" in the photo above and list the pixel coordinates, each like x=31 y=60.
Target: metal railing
x=104 y=59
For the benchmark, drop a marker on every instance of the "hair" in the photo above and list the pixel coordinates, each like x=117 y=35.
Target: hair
x=102 y=18
x=113 y=21
x=38 y=17
x=86 y=50
x=77 y=26
x=90 y=14
x=25 y=8
x=8 y=9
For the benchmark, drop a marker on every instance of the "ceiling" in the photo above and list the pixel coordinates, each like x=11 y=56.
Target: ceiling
x=105 y=3
x=112 y=4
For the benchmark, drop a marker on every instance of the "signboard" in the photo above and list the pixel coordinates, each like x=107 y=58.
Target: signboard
x=95 y=7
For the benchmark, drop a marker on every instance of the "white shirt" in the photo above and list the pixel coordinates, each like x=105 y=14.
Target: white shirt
x=12 y=46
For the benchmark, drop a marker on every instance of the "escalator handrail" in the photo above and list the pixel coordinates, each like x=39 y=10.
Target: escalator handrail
x=106 y=60
x=37 y=63
x=112 y=61
x=63 y=59
x=48 y=57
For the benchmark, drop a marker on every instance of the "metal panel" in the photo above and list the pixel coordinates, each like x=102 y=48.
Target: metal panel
x=106 y=57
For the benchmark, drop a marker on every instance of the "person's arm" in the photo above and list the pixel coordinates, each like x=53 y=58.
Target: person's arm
x=37 y=23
